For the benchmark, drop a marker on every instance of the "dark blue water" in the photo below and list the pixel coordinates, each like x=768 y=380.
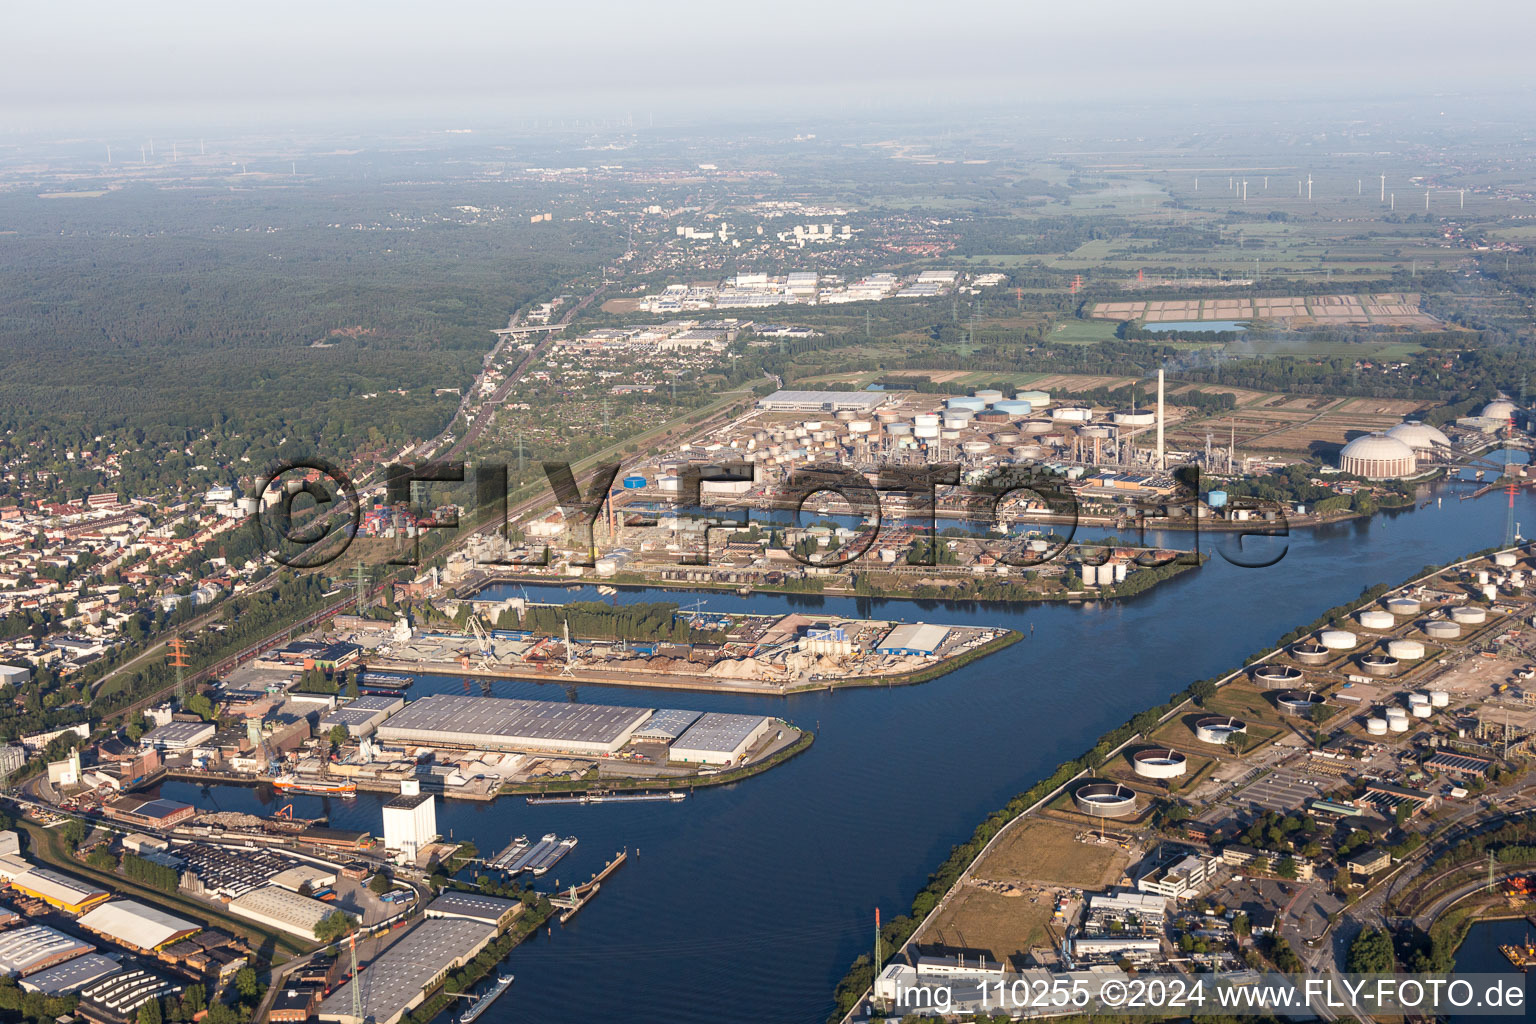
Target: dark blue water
x=1479 y=954
x=748 y=901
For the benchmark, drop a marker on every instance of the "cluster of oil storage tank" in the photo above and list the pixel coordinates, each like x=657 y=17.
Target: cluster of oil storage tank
x=1104 y=575
x=1395 y=717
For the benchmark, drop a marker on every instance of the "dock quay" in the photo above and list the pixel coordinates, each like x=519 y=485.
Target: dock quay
x=573 y=899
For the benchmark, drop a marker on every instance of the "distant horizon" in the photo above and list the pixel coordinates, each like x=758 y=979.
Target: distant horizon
x=167 y=66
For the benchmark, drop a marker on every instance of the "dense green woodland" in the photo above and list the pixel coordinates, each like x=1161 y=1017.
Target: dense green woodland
x=155 y=317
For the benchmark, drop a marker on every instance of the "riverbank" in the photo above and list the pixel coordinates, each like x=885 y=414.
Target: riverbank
x=898 y=932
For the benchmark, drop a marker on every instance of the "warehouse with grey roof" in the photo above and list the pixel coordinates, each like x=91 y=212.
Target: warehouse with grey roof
x=504 y=723
x=719 y=738
x=398 y=979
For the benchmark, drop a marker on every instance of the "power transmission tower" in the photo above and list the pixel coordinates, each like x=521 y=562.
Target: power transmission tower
x=360 y=581
x=1511 y=489
x=178 y=660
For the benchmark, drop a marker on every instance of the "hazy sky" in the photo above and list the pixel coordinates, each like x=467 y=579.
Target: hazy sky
x=115 y=62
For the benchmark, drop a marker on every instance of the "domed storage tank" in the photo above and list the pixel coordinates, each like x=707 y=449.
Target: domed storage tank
x=1013 y=408
x=1217 y=729
x=1374 y=619
x=1338 y=639
x=1310 y=652
x=1397 y=724
x=969 y=404
x=1506 y=559
x=1414 y=699
x=1406 y=650
x=1378 y=457
x=1439 y=699
x=1038 y=399
x=1159 y=763
x=1439 y=629
x=1403 y=606
x=1105 y=799
x=1468 y=615
x=1376 y=726
x=1277 y=677
x=989 y=395
x=1422 y=711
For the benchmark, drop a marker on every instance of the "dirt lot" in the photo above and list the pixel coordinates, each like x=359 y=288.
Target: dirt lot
x=1047 y=852
x=1004 y=926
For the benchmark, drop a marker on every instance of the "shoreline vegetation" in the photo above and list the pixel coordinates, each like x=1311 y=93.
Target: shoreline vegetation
x=897 y=931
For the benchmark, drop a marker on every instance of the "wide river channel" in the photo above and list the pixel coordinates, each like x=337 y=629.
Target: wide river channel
x=747 y=902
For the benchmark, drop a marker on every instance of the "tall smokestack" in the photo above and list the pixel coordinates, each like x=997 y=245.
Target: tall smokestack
x=1159 y=418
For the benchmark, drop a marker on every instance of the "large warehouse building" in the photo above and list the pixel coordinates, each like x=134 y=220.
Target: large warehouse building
x=718 y=738
x=281 y=908
x=138 y=926
x=36 y=948
x=362 y=716
x=913 y=638
x=397 y=980
x=72 y=975
x=503 y=723
x=822 y=401
x=59 y=891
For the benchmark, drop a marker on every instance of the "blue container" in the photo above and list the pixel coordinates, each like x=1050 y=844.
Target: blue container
x=634 y=482
x=1216 y=499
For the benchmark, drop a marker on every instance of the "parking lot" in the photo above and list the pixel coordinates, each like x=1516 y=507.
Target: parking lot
x=1281 y=790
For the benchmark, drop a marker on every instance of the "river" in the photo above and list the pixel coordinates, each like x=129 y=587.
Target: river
x=747 y=902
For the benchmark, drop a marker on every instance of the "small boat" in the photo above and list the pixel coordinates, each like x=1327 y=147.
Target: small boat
x=484 y=1002
x=1521 y=956
x=298 y=784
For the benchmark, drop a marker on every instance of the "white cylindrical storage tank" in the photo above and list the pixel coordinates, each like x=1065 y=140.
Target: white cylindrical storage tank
x=1440 y=629
x=975 y=447
x=812 y=424
x=1506 y=559
x=1135 y=417
x=1161 y=763
x=989 y=395
x=1405 y=650
x=1121 y=570
x=926 y=419
x=1491 y=592
x=1026 y=452
x=1033 y=427
x=1217 y=729
x=859 y=426
x=1005 y=437
x=1338 y=639
x=1277 y=677
x=957 y=420
x=1013 y=408
x=1104 y=799
x=1397 y=724
x=1415 y=699
x=1038 y=399
x=927 y=433
x=898 y=429
x=1403 y=606
x=887 y=415
x=1439 y=699
x=946 y=434
x=844 y=415
x=1422 y=711
x=1374 y=619
x=1072 y=414
x=1468 y=615
x=1376 y=726
x=1482 y=576
x=1309 y=652
x=969 y=404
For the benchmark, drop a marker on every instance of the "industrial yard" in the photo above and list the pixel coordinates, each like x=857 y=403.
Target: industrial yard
x=745 y=653
x=1355 y=734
